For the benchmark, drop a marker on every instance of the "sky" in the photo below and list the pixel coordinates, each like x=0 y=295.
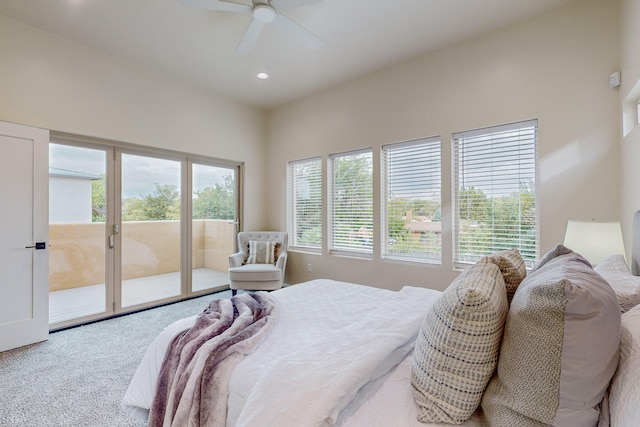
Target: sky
x=139 y=173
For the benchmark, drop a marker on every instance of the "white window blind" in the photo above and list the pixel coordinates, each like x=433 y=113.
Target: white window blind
x=411 y=177
x=495 y=191
x=304 y=200
x=351 y=202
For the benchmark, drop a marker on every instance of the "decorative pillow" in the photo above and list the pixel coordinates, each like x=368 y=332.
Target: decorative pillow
x=614 y=263
x=512 y=266
x=624 y=394
x=559 y=250
x=262 y=252
x=559 y=350
x=457 y=348
x=626 y=286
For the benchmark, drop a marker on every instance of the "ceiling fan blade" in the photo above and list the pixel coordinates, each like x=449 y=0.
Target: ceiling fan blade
x=298 y=32
x=227 y=6
x=250 y=37
x=284 y=5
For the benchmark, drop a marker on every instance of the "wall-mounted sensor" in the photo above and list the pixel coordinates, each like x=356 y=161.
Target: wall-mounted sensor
x=614 y=79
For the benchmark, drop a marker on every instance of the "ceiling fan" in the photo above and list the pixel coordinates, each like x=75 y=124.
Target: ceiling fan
x=264 y=12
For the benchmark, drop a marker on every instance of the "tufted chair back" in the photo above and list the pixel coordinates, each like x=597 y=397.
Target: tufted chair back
x=268 y=236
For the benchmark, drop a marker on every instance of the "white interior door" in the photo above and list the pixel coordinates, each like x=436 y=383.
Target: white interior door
x=24 y=192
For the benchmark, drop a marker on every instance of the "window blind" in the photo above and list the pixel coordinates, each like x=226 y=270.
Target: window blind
x=411 y=187
x=495 y=191
x=304 y=200
x=351 y=202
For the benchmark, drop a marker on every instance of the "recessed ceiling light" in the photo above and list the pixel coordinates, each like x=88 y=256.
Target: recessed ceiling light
x=263 y=76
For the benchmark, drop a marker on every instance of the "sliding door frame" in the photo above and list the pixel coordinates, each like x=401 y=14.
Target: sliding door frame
x=113 y=196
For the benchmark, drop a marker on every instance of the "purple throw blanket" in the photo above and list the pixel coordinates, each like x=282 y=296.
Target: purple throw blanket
x=193 y=381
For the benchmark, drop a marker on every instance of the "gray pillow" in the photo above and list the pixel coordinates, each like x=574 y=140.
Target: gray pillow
x=559 y=349
x=559 y=250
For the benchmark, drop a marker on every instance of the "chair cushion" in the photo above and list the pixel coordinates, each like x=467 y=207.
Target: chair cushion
x=262 y=252
x=255 y=273
x=457 y=348
x=560 y=347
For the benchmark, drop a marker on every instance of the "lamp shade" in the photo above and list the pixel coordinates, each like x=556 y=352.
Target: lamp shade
x=594 y=240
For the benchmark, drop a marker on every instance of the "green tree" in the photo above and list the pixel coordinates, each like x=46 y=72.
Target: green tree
x=473 y=205
x=162 y=204
x=98 y=211
x=353 y=199
x=308 y=203
x=497 y=223
x=215 y=202
x=397 y=209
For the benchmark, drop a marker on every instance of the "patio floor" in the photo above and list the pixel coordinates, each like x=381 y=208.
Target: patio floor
x=75 y=303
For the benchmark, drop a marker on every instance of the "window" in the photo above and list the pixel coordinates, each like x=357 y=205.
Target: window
x=411 y=175
x=304 y=200
x=351 y=202
x=495 y=191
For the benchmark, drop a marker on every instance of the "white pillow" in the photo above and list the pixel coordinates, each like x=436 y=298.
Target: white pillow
x=624 y=394
x=626 y=286
x=614 y=263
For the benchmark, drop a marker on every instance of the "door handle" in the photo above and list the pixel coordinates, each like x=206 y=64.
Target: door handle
x=38 y=245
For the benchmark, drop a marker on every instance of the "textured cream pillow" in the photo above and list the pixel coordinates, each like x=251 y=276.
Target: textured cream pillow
x=512 y=267
x=559 y=350
x=457 y=348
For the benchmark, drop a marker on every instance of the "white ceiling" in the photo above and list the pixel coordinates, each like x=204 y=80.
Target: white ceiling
x=198 y=45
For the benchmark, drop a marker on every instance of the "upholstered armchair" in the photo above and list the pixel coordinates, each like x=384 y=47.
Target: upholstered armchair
x=260 y=262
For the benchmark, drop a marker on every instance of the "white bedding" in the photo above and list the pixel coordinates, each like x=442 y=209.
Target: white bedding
x=331 y=339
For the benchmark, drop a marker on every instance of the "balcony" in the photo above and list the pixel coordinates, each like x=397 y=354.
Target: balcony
x=150 y=264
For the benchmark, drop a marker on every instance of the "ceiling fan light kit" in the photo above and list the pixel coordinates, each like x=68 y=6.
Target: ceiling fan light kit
x=264 y=12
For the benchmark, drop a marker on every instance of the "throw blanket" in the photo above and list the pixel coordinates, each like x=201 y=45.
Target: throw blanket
x=193 y=382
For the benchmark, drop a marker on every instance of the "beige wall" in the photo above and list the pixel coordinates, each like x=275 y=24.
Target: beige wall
x=554 y=68
x=49 y=82
x=629 y=94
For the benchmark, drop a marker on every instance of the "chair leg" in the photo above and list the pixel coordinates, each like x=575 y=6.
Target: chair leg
x=233 y=292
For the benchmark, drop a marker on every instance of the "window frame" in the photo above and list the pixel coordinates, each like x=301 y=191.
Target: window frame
x=529 y=160
x=333 y=237
x=407 y=152
x=292 y=206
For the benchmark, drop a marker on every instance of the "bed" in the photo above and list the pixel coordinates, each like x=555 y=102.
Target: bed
x=350 y=355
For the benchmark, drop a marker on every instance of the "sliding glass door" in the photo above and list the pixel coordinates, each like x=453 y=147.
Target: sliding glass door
x=132 y=228
x=213 y=224
x=150 y=236
x=77 y=215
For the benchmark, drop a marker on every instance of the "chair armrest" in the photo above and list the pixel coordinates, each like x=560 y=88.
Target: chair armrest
x=236 y=259
x=282 y=260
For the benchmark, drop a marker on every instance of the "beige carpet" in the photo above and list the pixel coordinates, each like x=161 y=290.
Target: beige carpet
x=78 y=377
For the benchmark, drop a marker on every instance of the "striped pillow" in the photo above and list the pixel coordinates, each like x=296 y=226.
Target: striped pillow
x=457 y=348
x=262 y=252
x=512 y=267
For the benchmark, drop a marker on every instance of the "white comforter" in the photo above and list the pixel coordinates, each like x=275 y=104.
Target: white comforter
x=330 y=340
